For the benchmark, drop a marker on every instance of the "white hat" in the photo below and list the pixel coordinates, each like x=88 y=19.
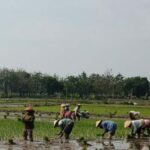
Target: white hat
x=78 y=104
x=67 y=104
x=56 y=123
x=98 y=123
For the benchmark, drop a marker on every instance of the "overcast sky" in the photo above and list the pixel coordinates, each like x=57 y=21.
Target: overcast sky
x=67 y=37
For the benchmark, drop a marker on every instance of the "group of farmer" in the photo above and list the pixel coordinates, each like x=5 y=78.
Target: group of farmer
x=65 y=112
x=137 y=125
x=66 y=119
x=66 y=123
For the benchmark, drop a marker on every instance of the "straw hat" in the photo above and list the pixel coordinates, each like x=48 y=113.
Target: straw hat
x=56 y=123
x=78 y=104
x=29 y=108
x=98 y=123
x=127 y=123
x=67 y=104
x=62 y=105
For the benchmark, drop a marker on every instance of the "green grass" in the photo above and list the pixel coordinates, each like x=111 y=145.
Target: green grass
x=92 y=108
x=84 y=128
x=14 y=129
x=87 y=129
x=120 y=109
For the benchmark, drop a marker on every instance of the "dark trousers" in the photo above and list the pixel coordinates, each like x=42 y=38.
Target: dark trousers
x=68 y=130
x=28 y=133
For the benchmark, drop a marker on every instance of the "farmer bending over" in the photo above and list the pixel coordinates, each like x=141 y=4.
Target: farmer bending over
x=108 y=126
x=67 y=107
x=28 y=120
x=133 y=115
x=135 y=125
x=146 y=125
x=66 y=126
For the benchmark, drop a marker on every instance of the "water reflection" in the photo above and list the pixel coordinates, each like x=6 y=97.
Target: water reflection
x=139 y=145
x=108 y=146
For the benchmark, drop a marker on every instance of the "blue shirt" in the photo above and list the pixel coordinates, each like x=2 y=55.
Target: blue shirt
x=109 y=126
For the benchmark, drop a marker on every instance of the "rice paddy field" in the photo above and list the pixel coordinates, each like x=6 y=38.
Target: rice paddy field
x=45 y=112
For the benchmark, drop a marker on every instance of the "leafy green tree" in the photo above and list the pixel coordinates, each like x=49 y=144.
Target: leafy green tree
x=52 y=85
x=83 y=86
x=136 y=86
x=70 y=86
x=118 y=86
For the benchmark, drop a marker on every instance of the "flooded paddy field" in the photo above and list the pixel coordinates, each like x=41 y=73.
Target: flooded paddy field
x=11 y=127
x=57 y=144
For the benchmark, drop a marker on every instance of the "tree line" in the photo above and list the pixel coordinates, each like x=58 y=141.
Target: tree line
x=19 y=83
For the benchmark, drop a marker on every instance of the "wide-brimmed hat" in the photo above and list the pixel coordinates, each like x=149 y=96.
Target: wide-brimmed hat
x=67 y=104
x=56 y=123
x=29 y=108
x=127 y=123
x=98 y=123
x=63 y=105
x=79 y=105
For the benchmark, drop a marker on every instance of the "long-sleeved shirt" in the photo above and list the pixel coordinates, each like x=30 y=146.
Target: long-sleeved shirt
x=109 y=126
x=146 y=124
x=135 y=125
x=63 y=123
x=28 y=120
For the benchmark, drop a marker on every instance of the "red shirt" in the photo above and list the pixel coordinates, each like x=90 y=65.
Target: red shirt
x=146 y=124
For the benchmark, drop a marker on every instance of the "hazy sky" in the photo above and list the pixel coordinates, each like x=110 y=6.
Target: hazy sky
x=67 y=37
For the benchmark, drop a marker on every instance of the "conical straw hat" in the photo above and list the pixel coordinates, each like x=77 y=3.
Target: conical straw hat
x=127 y=124
x=98 y=123
x=29 y=108
x=55 y=122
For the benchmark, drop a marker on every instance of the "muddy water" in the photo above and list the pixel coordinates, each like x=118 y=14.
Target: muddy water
x=74 y=145
x=52 y=145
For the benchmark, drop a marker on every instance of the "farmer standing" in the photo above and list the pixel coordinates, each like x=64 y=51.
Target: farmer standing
x=66 y=125
x=66 y=108
x=108 y=126
x=62 y=110
x=28 y=120
x=135 y=125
